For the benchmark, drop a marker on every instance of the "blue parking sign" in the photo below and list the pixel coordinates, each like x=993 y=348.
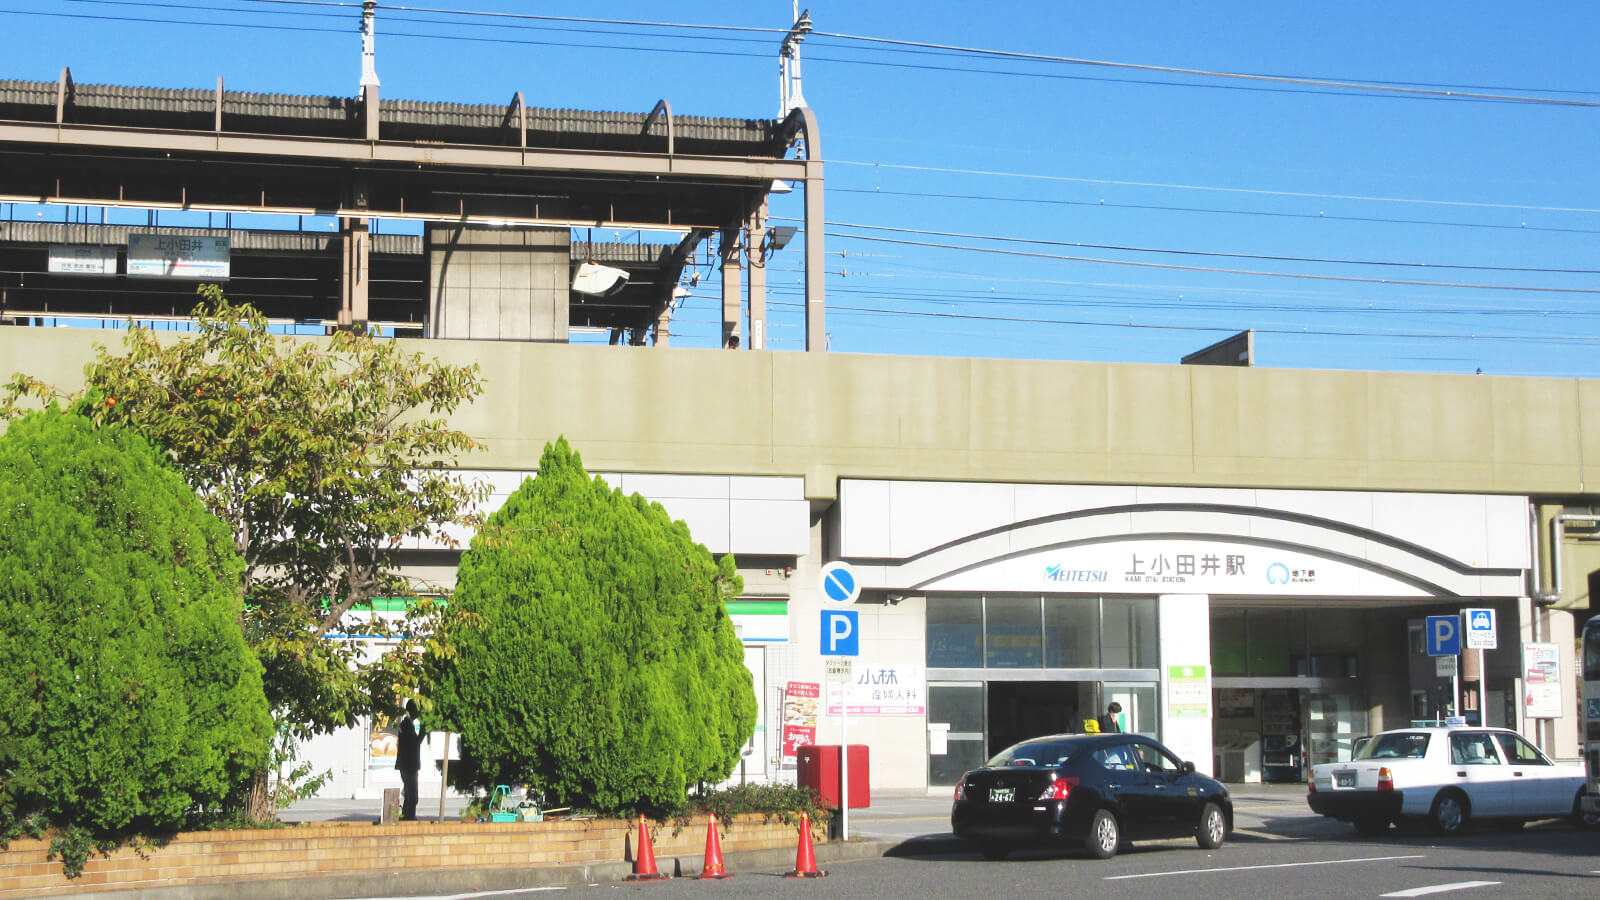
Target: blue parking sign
x=841 y=632
x=1444 y=635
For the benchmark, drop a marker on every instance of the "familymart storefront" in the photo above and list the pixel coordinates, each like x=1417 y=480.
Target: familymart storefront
x=1042 y=604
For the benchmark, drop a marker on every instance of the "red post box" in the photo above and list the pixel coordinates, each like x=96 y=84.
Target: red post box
x=818 y=769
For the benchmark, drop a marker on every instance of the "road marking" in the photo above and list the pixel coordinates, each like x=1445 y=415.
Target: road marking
x=1440 y=888
x=1262 y=835
x=469 y=895
x=1320 y=862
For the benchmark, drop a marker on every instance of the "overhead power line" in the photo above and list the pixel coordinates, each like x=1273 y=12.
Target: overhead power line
x=1048 y=201
x=1211 y=253
x=1181 y=268
x=1201 y=187
x=1319 y=332
x=1212 y=73
x=1389 y=88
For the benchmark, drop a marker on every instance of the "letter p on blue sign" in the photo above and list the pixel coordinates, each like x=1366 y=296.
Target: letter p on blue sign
x=1444 y=635
x=841 y=632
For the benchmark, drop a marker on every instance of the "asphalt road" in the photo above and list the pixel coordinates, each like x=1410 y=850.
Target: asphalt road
x=1279 y=850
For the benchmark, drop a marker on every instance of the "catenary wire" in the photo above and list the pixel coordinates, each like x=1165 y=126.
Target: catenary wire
x=1322 y=260
x=1376 y=220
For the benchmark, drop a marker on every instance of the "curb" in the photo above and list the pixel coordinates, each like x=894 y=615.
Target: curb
x=461 y=881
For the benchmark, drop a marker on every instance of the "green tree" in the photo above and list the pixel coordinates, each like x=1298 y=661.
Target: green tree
x=128 y=697
x=320 y=456
x=600 y=663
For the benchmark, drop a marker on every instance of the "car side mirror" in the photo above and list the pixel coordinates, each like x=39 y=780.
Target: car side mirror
x=1188 y=767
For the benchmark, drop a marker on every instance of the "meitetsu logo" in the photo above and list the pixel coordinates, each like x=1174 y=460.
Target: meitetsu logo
x=1062 y=573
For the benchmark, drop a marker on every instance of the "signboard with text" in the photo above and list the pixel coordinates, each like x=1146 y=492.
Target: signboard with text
x=883 y=689
x=1188 y=692
x=1178 y=565
x=82 y=259
x=1541 y=681
x=800 y=699
x=178 y=256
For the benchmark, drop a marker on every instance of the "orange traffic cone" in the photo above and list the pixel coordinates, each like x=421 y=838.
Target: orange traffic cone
x=644 y=857
x=805 y=859
x=713 y=867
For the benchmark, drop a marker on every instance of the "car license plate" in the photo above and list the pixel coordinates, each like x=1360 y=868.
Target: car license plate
x=1002 y=795
x=1344 y=779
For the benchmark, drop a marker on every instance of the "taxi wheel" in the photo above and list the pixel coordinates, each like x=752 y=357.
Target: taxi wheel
x=1449 y=812
x=1213 y=828
x=1581 y=819
x=1104 y=835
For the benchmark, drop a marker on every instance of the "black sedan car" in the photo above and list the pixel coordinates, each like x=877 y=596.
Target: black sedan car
x=1097 y=790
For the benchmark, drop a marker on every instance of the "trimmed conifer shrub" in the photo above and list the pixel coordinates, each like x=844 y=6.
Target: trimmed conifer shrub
x=593 y=653
x=128 y=698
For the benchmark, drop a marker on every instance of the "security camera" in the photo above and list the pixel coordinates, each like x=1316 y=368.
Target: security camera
x=597 y=280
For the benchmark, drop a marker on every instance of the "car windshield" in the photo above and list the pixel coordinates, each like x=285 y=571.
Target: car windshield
x=1400 y=745
x=1035 y=753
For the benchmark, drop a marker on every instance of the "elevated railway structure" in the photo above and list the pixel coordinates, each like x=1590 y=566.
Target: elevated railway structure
x=498 y=189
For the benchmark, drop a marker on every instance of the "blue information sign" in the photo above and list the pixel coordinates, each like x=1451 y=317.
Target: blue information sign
x=841 y=632
x=1444 y=635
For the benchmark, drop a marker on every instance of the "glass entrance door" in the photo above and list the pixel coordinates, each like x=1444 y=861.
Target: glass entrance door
x=955 y=725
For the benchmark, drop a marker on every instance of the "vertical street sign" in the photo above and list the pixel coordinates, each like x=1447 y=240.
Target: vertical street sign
x=1444 y=639
x=1480 y=637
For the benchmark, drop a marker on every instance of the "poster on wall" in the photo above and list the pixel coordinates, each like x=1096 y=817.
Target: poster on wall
x=883 y=689
x=1541 y=681
x=1188 y=692
x=799 y=718
x=383 y=743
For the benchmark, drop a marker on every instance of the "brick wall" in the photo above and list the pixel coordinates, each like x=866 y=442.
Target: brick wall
x=354 y=848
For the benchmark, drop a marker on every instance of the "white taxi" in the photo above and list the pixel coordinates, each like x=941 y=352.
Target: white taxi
x=1445 y=775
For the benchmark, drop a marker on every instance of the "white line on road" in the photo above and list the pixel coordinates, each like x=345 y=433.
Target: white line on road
x=1320 y=862
x=1440 y=888
x=1262 y=835
x=526 y=890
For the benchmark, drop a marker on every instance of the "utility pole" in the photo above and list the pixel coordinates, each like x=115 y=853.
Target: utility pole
x=789 y=95
x=369 y=53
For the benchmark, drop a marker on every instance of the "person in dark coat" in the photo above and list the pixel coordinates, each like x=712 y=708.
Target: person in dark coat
x=408 y=759
x=1108 y=722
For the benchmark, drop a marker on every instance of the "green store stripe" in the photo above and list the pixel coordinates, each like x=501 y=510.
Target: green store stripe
x=758 y=607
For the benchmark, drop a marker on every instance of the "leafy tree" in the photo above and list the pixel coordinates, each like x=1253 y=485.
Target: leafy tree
x=128 y=697
x=320 y=455
x=601 y=665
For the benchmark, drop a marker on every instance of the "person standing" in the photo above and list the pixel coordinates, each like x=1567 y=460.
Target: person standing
x=408 y=759
x=1108 y=722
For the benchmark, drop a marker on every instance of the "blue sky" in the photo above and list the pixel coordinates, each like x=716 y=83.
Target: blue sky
x=1097 y=182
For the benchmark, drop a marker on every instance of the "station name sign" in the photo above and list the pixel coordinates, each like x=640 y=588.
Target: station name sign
x=178 y=256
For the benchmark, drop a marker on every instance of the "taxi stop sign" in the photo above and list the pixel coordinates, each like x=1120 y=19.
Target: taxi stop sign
x=1480 y=629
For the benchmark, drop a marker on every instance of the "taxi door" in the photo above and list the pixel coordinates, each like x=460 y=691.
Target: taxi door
x=1538 y=787
x=1477 y=769
x=1170 y=799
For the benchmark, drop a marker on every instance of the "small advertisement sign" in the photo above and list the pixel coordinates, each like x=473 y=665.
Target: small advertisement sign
x=178 y=256
x=1541 y=681
x=1188 y=692
x=800 y=700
